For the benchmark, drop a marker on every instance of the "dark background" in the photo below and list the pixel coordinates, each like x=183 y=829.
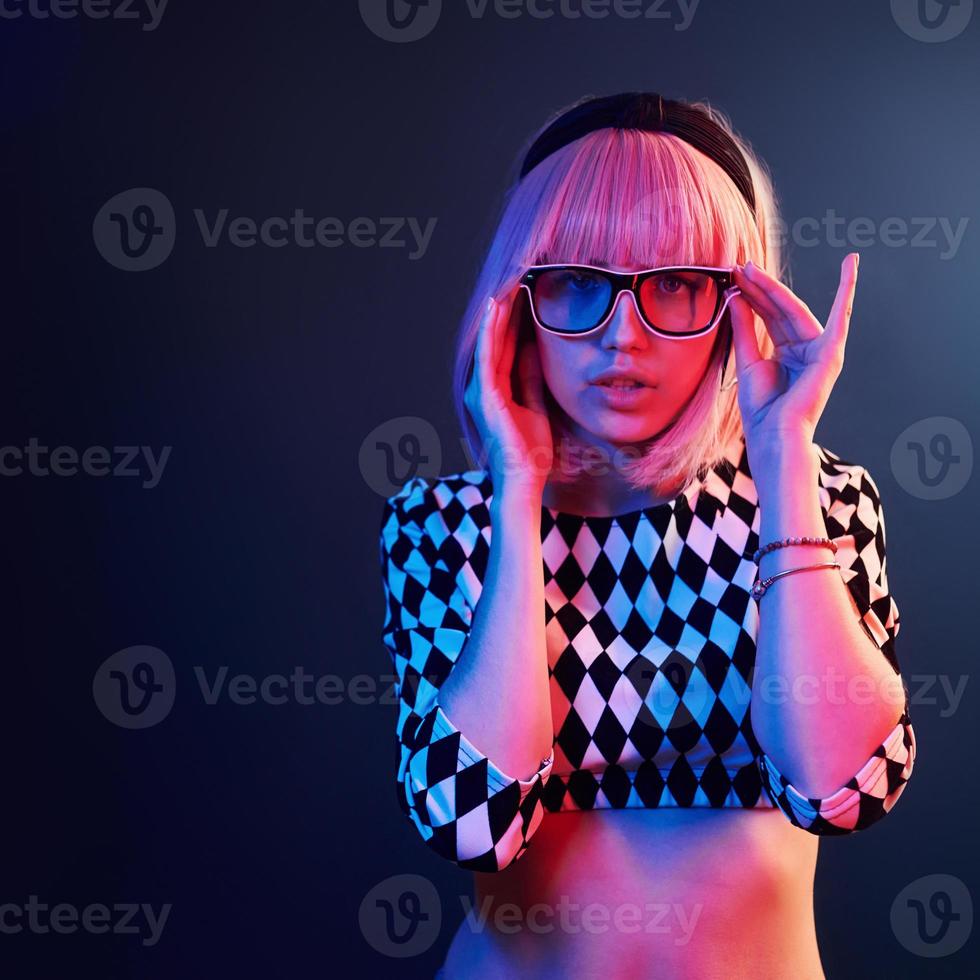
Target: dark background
x=266 y=369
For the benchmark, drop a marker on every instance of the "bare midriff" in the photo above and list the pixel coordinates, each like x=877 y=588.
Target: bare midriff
x=665 y=893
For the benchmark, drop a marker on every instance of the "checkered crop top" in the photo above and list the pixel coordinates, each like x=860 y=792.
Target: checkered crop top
x=650 y=632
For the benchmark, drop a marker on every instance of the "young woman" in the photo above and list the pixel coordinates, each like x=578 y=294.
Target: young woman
x=646 y=655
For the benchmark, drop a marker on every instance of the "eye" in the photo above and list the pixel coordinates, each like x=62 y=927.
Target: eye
x=671 y=284
x=582 y=282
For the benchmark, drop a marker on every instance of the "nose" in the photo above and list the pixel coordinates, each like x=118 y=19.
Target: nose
x=624 y=329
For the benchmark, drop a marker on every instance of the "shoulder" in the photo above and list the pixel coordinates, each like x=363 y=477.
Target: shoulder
x=848 y=492
x=436 y=528
x=420 y=496
x=451 y=505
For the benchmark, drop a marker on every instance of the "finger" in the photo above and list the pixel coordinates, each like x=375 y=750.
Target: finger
x=744 y=338
x=509 y=329
x=762 y=304
x=778 y=293
x=840 y=313
x=502 y=305
x=794 y=318
x=483 y=373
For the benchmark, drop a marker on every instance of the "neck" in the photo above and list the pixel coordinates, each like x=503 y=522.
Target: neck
x=589 y=478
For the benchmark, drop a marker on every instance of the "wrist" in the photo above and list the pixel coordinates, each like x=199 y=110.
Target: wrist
x=517 y=496
x=776 y=461
x=787 y=482
x=790 y=445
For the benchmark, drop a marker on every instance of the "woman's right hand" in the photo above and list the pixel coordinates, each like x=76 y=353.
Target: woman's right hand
x=517 y=435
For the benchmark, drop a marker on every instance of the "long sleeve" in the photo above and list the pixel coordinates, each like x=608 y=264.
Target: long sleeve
x=855 y=522
x=465 y=808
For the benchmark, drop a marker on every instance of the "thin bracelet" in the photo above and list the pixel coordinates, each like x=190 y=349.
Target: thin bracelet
x=759 y=589
x=786 y=542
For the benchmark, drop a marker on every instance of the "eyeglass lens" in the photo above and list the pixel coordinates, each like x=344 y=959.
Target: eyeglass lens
x=574 y=300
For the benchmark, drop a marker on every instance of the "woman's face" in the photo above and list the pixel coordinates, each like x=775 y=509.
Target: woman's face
x=670 y=369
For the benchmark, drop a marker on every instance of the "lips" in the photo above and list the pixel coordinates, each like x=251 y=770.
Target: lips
x=621 y=379
x=621 y=383
x=613 y=393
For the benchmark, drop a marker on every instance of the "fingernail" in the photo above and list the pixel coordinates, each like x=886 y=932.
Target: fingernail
x=749 y=268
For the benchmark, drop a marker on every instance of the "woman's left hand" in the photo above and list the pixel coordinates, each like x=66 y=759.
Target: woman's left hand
x=782 y=398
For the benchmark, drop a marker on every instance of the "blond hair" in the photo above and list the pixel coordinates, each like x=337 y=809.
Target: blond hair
x=644 y=199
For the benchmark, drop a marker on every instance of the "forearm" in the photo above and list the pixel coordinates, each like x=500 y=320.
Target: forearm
x=823 y=696
x=498 y=690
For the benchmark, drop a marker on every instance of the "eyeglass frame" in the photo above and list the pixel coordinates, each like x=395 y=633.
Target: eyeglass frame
x=629 y=282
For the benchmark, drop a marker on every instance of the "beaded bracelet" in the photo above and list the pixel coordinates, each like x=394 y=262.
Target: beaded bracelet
x=759 y=589
x=773 y=545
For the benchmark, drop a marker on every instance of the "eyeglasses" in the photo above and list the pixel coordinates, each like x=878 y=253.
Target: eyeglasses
x=679 y=302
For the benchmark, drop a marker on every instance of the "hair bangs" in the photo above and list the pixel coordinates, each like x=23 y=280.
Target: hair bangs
x=633 y=199
x=637 y=200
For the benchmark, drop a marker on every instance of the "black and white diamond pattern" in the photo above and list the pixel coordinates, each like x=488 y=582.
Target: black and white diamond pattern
x=650 y=633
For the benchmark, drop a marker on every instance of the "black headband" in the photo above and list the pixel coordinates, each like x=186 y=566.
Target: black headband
x=654 y=113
